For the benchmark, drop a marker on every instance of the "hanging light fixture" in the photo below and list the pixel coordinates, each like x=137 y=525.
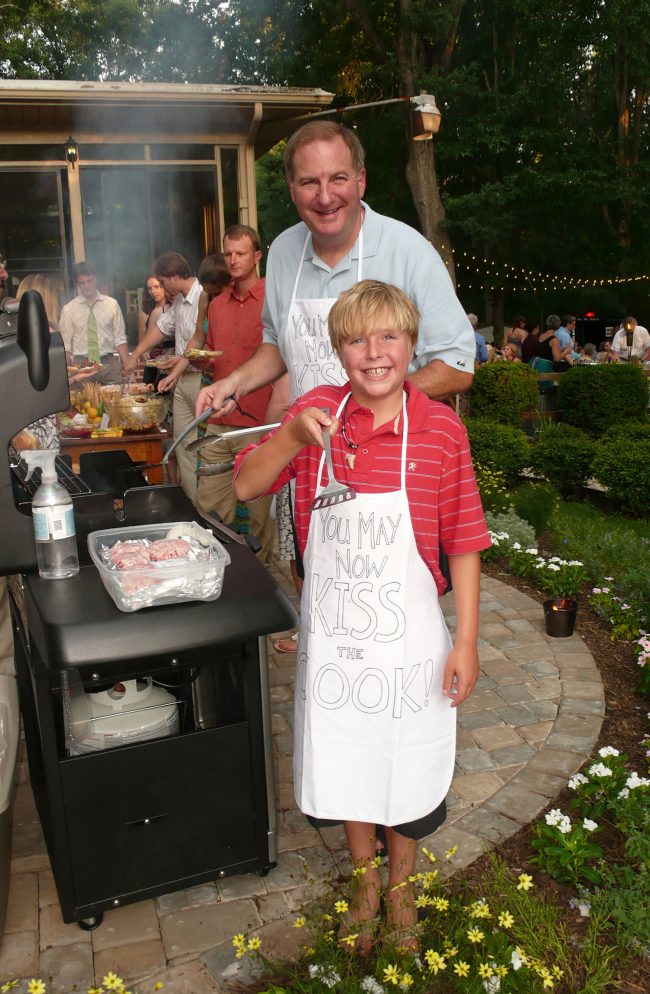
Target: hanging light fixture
x=71 y=151
x=425 y=117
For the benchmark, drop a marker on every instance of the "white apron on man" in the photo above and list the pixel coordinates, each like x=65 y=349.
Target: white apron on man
x=310 y=359
x=374 y=736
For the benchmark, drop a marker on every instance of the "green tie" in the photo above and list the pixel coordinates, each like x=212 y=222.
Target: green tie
x=91 y=330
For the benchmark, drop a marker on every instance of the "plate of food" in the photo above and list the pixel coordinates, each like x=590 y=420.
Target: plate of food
x=201 y=354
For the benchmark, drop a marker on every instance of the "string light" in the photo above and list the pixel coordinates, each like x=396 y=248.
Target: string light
x=504 y=275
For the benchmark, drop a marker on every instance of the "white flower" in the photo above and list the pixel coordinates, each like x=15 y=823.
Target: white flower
x=608 y=751
x=516 y=545
x=531 y=552
x=624 y=793
x=516 y=960
x=326 y=974
x=564 y=825
x=599 y=770
x=576 y=780
x=610 y=578
x=553 y=817
x=634 y=780
x=554 y=567
x=589 y=825
x=575 y=562
x=492 y=984
x=555 y=559
x=371 y=986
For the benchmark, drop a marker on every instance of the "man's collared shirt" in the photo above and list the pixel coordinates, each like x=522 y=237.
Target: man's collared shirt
x=392 y=252
x=640 y=342
x=235 y=328
x=73 y=325
x=179 y=322
x=563 y=336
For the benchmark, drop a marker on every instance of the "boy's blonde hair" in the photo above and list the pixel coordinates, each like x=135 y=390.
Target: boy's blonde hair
x=367 y=306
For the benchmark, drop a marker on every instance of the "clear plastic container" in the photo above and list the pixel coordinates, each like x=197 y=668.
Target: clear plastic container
x=196 y=578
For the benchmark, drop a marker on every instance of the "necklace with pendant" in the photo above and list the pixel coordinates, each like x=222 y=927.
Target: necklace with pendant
x=349 y=456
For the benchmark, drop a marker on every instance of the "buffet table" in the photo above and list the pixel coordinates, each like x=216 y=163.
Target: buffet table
x=141 y=446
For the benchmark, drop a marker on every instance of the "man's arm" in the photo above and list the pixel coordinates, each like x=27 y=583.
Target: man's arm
x=263 y=367
x=153 y=337
x=123 y=352
x=439 y=381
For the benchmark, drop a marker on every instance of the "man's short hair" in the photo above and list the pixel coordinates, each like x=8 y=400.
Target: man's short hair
x=82 y=269
x=568 y=319
x=323 y=131
x=237 y=231
x=213 y=271
x=553 y=322
x=589 y=349
x=172 y=264
x=473 y=320
x=369 y=305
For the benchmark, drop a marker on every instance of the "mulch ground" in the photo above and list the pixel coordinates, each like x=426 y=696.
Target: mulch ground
x=624 y=726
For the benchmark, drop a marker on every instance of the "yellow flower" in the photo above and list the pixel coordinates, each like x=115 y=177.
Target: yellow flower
x=413 y=879
x=300 y=921
x=349 y=940
x=95 y=990
x=308 y=950
x=547 y=983
x=429 y=878
x=359 y=871
x=429 y=855
x=435 y=961
x=326 y=918
x=525 y=882
x=449 y=949
x=461 y=969
x=501 y=971
x=35 y=987
x=341 y=907
x=424 y=901
x=111 y=982
x=506 y=920
x=398 y=886
x=254 y=943
x=485 y=970
x=9 y=985
x=391 y=975
x=555 y=970
x=449 y=853
x=480 y=909
x=376 y=861
x=440 y=903
x=238 y=940
x=406 y=981
x=475 y=934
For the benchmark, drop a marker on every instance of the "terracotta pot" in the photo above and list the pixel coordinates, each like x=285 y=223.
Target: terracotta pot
x=560 y=616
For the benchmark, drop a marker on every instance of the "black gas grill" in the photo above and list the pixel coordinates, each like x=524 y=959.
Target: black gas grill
x=142 y=819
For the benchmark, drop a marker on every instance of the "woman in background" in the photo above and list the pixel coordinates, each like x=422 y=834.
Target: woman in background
x=154 y=303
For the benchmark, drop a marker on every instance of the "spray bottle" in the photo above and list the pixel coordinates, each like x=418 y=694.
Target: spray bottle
x=53 y=515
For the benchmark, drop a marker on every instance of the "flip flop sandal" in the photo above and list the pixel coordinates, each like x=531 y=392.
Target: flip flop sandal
x=287 y=645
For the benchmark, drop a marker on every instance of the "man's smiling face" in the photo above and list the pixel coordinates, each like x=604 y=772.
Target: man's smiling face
x=327 y=191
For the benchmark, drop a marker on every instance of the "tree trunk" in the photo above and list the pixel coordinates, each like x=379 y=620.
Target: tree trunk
x=423 y=184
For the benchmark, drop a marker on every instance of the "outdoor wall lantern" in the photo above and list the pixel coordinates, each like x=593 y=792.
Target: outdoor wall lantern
x=425 y=117
x=71 y=150
x=629 y=338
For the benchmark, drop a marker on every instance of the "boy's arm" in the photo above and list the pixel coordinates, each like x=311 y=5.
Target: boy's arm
x=462 y=666
x=260 y=469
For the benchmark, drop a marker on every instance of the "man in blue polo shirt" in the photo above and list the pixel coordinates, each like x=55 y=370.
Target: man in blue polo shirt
x=339 y=241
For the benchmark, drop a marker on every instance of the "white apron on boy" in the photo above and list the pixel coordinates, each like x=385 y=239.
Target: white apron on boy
x=374 y=736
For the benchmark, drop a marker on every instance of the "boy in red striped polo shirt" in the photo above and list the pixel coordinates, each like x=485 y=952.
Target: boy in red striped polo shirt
x=378 y=678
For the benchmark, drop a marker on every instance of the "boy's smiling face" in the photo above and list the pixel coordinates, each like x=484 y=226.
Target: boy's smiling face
x=377 y=362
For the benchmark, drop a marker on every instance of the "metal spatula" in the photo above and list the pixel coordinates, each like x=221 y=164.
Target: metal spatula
x=334 y=492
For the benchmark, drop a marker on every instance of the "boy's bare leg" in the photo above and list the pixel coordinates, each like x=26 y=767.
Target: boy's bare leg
x=366 y=886
x=401 y=913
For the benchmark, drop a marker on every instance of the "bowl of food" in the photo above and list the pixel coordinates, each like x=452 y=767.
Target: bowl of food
x=137 y=412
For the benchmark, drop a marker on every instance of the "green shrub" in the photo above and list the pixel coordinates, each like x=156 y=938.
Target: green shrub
x=563 y=455
x=535 y=503
x=503 y=391
x=631 y=431
x=625 y=470
x=515 y=527
x=596 y=397
x=498 y=446
x=491 y=483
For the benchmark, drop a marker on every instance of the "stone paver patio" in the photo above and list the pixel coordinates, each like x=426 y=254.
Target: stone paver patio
x=531 y=722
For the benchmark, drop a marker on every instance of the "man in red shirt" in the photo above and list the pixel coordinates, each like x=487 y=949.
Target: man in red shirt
x=235 y=328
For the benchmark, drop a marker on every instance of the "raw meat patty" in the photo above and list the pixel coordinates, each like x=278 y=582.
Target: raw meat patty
x=168 y=548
